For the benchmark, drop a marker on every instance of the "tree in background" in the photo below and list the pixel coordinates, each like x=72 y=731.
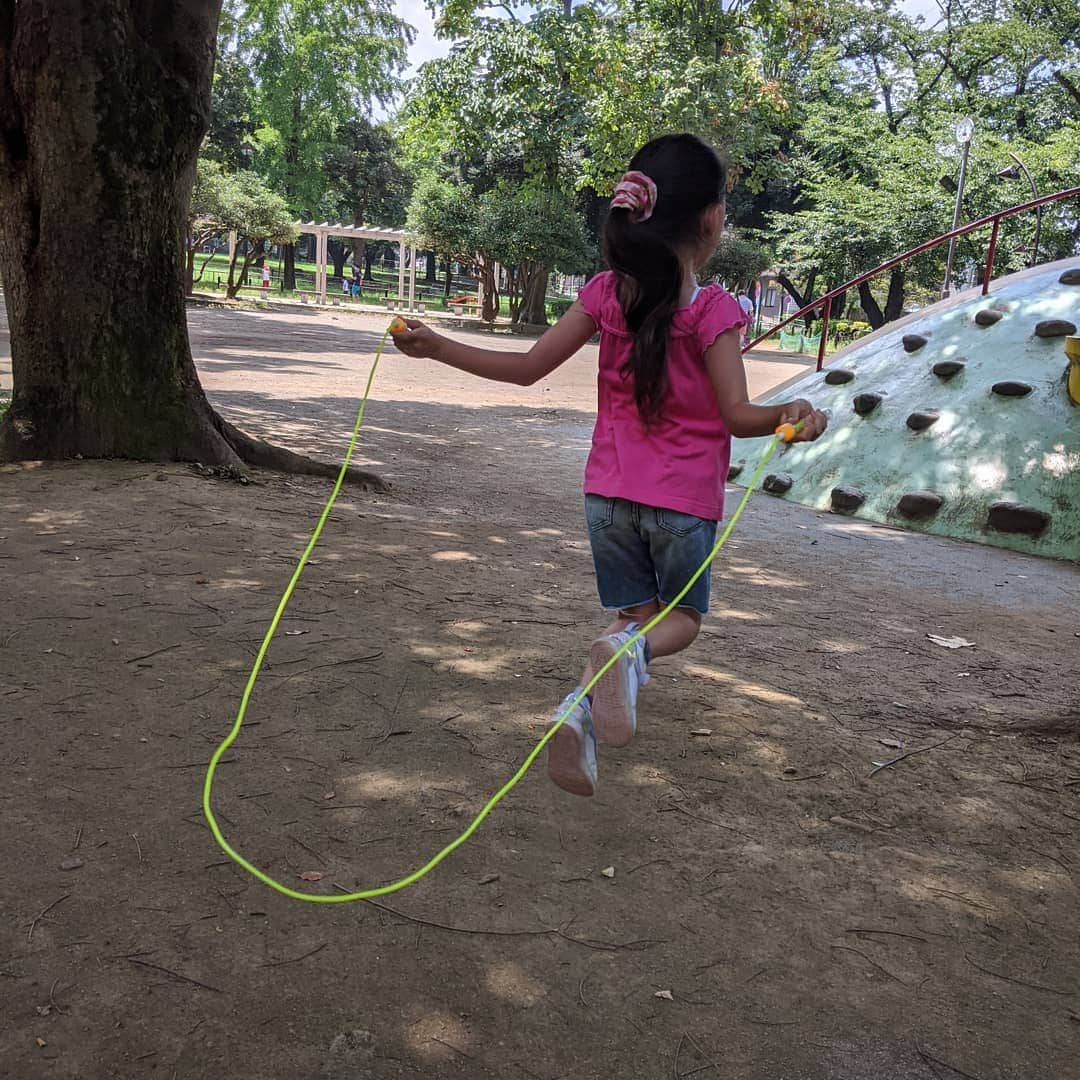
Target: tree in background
x=259 y=218
x=871 y=142
x=205 y=215
x=233 y=113
x=315 y=65
x=737 y=262
x=442 y=215
x=366 y=184
x=504 y=110
x=532 y=233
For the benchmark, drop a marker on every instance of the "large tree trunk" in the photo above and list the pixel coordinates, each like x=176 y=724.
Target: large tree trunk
x=801 y=298
x=429 y=269
x=338 y=253
x=894 y=301
x=288 y=267
x=870 y=306
x=119 y=90
x=533 y=310
x=189 y=270
x=489 y=291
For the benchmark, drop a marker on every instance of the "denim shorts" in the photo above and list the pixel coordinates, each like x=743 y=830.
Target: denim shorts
x=643 y=553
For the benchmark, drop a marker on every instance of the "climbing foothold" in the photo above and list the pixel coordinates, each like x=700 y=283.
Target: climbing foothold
x=1012 y=389
x=865 y=404
x=839 y=376
x=922 y=419
x=398 y=325
x=946 y=369
x=919 y=504
x=777 y=483
x=1071 y=276
x=1014 y=517
x=846 y=499
x=913 y=342
x=987 y=317
x=1051 y=328
x=735 y=468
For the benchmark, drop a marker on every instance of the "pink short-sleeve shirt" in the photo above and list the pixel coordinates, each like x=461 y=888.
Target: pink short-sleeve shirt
x=680 y=461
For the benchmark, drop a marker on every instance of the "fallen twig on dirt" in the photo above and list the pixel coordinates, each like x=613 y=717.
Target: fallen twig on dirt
x=451 y=1046
x=1019 y=982
x=146 y=656
x=173 y=974
x=873 y=963
x=912 y=753
x=559 y=931
x=309 y=850
x=698 y=817
x=686 y=1037
x=890 y=933
x=45 y=911
x=294 y=959
x=928 y=1058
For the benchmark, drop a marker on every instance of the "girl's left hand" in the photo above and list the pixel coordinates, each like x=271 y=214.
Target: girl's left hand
x=814 y=420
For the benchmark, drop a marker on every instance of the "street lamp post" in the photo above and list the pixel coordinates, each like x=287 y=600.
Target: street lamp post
x=1013 y=173
x=964 y=130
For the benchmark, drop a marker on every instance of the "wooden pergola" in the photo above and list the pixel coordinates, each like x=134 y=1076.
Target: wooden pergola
x=323 y=232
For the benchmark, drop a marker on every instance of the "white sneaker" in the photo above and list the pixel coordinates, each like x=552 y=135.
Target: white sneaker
x=614 y=706
x=572 y=749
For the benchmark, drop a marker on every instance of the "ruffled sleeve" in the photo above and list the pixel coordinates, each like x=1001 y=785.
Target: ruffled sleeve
x=595 y=298
x=720 y=311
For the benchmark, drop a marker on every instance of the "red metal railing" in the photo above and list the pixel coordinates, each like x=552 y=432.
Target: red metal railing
x=994 y=220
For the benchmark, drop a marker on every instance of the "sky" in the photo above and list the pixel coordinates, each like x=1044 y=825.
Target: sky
x=427 y=46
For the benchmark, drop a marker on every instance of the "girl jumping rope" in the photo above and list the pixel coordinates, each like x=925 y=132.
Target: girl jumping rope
x=671 y=394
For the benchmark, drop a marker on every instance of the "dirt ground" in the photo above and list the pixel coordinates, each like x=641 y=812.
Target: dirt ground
x=778 y=910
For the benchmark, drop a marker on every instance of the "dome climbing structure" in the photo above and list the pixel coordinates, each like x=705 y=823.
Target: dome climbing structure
x=962 y=420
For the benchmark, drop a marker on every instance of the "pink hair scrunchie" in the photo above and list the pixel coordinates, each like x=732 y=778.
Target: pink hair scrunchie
x=635 y=192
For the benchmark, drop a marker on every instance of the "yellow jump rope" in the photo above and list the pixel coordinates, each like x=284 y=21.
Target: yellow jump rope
x=784 y=433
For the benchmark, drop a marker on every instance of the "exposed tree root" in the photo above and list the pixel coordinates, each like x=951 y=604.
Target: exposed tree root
x=264 y=455
x=212 y=442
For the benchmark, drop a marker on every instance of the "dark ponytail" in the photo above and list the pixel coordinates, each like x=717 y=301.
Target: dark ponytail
x=645 y=256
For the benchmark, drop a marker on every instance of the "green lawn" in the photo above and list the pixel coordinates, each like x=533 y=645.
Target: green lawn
x=385 y=280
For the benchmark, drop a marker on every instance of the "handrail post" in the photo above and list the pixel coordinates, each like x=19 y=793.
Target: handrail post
x=824 y=333
x=991 y=250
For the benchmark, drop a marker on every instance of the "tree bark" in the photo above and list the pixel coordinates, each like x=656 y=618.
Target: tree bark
x=489 y=291
x=288 y=267
x=120 y=91
x=338 y=254
x=874 y=315
x=894 y=301
x=429 y=269
x=533 y=310
x=801 y=298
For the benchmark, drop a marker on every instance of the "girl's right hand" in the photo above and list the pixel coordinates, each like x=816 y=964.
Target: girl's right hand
x=814 y=420
x=418 y=340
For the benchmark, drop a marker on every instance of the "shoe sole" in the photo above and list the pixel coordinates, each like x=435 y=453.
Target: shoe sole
x=564 y=763
x=610 y=710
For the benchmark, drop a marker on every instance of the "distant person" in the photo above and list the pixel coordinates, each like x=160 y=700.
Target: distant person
x=345 y=286
x=747 y=306
x=266 y=277
x=672 y=393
